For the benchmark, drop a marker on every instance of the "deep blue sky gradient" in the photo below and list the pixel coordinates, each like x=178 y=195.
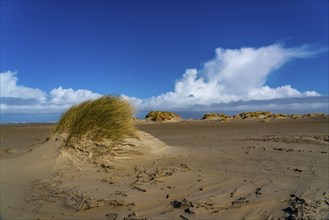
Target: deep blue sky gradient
x=140 y=48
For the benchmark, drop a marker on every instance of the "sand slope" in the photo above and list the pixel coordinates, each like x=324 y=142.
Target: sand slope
x=267 y=175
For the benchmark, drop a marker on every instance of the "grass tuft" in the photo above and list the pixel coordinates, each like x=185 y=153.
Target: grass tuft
x=108 y=117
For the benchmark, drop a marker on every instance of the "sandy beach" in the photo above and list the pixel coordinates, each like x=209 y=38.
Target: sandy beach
x=243 y=169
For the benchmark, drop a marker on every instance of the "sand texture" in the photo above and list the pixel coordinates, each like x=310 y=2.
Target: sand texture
x=17 y=139
x=182 y=170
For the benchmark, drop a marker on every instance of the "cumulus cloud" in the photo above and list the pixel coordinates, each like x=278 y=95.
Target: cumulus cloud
x=234 y=80
x=233 y=75
x=9 y=88
x=20 y=99
x=69 y=96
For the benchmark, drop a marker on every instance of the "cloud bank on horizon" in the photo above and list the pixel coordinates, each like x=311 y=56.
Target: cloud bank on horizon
x=21 y=99
x=234 y=75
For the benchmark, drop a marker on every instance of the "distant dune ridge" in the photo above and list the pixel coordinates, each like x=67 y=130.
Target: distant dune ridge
x=265 y=115
x=270 y=115
x=216 y=116
x=165 y=116
x=161 y=116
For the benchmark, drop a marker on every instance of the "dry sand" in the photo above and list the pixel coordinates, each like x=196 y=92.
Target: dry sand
x=191 y=170
x=17 y=139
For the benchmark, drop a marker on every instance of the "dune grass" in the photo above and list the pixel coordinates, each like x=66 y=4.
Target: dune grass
x=160 y=116
x=108 y=117
x=215 y=116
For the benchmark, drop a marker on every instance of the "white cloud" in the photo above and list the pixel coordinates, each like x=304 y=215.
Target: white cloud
x=233 y=75
x=9 y=88
x=21 y=99
x=69 y=96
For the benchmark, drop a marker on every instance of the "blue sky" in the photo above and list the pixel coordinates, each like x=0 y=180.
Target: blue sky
x=57 y=53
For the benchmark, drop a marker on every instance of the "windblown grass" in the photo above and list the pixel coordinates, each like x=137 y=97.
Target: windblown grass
x=108 y=117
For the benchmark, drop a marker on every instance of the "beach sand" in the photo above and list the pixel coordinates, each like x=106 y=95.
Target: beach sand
x=17 y=139
x=243 y=169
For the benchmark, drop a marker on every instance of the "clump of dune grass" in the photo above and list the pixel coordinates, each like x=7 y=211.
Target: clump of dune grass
x=107 y=118
x=160 y=116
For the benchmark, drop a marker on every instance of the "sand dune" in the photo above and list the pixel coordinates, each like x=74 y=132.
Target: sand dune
x=192 y=170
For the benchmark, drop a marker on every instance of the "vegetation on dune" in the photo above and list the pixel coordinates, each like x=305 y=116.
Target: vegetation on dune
x=270 y=115
x=160 y=116
x=108 y=117
x=314 y=115
x=216 y=116
x=262 y=115
x=257 y=114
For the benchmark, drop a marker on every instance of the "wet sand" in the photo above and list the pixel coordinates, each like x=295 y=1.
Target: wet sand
x=188 y=170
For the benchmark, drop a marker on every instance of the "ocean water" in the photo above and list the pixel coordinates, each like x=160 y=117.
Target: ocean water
x=29 y=118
